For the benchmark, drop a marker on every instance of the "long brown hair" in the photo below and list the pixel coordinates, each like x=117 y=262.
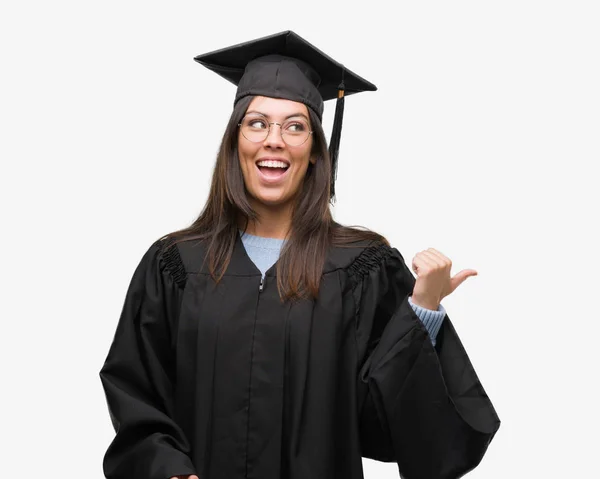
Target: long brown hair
x=313 y=230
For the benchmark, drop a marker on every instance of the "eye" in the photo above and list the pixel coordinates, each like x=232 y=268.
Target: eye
x=257 y=123
x=295 y=127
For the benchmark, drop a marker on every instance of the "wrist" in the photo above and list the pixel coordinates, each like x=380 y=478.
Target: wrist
x=425 y=303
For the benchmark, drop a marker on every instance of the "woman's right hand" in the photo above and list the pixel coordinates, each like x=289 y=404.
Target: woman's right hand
x=193 y=476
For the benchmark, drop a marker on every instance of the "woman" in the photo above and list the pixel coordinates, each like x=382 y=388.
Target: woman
x=268 y=341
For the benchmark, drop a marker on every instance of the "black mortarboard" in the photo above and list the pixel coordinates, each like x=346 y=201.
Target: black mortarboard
x=285 y=65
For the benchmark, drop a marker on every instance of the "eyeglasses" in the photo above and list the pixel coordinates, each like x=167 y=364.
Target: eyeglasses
x=256 y=129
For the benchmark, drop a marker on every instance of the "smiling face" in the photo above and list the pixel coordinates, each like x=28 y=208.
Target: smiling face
x=273 y=170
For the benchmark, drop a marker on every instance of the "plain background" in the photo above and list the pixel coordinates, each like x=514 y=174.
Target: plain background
x=482 y=142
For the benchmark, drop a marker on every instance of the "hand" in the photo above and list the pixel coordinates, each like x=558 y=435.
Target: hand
x=433 y=278
x=185 y=476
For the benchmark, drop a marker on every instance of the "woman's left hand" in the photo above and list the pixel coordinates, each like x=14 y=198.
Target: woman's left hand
x=433 y=278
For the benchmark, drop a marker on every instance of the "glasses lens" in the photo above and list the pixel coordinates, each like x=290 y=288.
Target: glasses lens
x=255 y=128
x=295 y=132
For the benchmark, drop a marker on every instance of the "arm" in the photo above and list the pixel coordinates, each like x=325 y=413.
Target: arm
x=421 y=407
x=137 y=380
x=432 y=320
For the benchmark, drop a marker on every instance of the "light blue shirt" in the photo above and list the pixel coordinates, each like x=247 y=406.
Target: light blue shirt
x=264 y=252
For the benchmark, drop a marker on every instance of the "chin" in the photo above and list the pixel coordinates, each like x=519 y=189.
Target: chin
x=270 y=199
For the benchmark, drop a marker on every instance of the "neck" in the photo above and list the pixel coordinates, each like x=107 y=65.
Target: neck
x=272 y=222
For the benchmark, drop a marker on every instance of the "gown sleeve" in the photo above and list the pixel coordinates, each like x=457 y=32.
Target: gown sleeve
x=137 y=376
x=421 y=406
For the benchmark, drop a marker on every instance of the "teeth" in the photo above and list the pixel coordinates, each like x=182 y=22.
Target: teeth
x=273 y=164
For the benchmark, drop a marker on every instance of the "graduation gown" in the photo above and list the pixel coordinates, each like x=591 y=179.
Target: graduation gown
x=227 y=382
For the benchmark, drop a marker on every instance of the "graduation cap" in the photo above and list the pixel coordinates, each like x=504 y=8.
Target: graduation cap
x=284 y=65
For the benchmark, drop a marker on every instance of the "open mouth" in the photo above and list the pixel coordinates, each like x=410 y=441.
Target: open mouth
x=272 y=170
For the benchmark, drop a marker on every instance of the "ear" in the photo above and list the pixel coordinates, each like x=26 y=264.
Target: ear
x=313 y=159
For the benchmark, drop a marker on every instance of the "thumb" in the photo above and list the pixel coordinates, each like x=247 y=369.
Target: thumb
x=459 y=277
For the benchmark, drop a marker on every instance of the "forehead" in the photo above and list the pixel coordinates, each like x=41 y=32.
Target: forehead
x=277 y=107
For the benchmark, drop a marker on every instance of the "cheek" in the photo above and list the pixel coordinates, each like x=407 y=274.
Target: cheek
x=304 y=160
x=242 y=148
x=246 y=154
x=300 y=172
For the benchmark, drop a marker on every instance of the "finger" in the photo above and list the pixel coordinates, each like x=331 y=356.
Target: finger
x=437 y=253
x=458 y=278
x=467 y=272
x=443 y=260
x=421 y=264
x=436 y=260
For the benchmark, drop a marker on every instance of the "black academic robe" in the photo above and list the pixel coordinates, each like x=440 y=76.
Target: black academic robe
x=227 y=382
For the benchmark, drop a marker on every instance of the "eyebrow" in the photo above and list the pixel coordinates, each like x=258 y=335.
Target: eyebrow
x=289 y=116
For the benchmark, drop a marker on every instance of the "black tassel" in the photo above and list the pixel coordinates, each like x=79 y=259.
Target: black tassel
x=336 y=134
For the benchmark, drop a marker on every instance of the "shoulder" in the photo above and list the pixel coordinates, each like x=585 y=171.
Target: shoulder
x=171 y=254
x=346 y=256
x=372 y=272
x=358 y=251
x=362 y=252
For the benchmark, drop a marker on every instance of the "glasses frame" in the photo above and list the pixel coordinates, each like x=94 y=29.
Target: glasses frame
x=310 y=132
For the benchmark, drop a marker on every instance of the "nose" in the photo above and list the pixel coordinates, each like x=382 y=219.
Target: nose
x=274 y=138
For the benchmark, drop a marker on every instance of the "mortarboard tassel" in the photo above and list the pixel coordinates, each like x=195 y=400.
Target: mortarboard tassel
x=336 y=134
